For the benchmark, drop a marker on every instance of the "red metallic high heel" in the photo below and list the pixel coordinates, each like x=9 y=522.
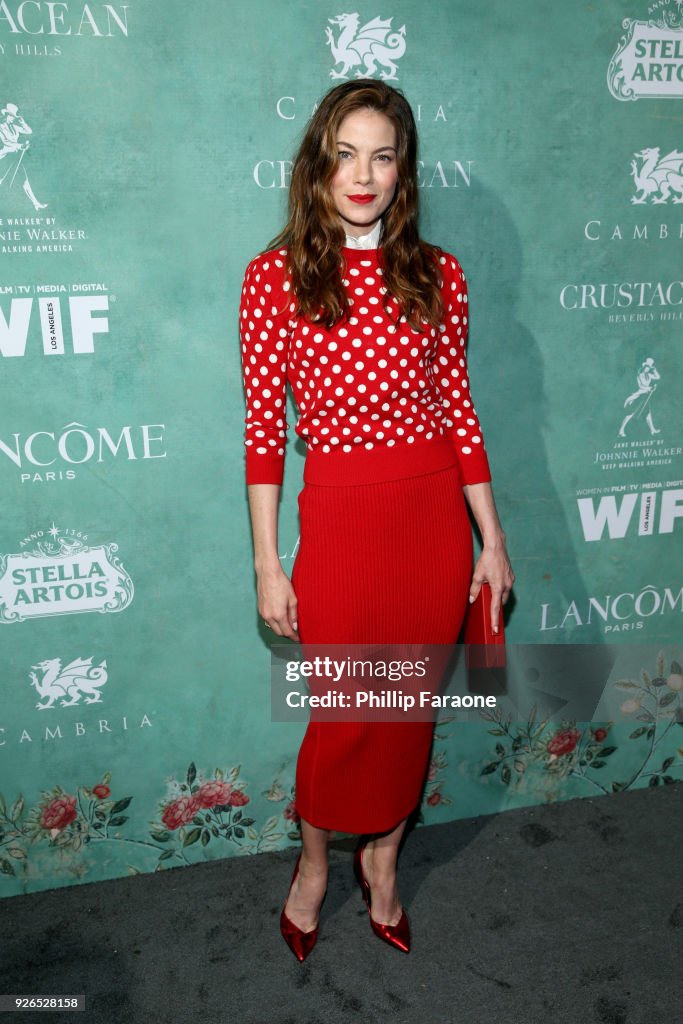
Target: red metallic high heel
x=397 y=935
x=301 y=943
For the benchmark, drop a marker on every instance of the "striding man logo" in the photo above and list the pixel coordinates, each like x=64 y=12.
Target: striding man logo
x=14 y=146
x=365 y=47
x=639 y=401
x=658 y=179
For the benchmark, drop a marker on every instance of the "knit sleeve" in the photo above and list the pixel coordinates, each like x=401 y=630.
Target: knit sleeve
x=264 y=333
x=450 y=376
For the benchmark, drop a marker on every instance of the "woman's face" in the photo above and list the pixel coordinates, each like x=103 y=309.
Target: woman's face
x=367 y=173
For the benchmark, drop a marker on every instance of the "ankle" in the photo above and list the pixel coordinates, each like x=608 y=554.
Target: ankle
x=382 y=868
x=313 y=866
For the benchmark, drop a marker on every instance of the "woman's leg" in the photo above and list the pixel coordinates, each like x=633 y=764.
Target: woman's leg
x=306 y=895
x=379 y=868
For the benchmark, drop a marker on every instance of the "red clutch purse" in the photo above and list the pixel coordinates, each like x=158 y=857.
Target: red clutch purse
x=484 y=648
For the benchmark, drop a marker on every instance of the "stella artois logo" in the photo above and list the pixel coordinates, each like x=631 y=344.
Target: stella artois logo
x=58 y=573
x=648 y=62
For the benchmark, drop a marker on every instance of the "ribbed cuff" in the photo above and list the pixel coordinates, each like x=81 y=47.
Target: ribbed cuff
x=264 y=469
x=474 y=468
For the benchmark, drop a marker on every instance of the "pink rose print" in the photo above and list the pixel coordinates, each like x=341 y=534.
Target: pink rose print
x=564 y=742
x=180 y=812
x=59 y=813
x=212 y=793
x=238 y=798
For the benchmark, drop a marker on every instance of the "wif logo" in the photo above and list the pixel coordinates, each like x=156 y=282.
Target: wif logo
x=636 y=514
x=366 y=48
x=83 y=314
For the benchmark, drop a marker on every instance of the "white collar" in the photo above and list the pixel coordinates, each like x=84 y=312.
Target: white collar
x=369 y=241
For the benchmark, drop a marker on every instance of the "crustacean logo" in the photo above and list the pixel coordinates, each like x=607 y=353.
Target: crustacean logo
x=367 y=49
x=648 y=62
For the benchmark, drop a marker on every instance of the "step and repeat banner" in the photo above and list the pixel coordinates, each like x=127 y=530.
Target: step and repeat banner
x=145 y=156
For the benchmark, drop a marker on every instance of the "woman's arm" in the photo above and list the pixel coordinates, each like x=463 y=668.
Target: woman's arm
x=277 y=602
x=493 y=563
x=452 y=382
x=264 y=314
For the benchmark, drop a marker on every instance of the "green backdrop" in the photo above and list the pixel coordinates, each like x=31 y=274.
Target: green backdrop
x=135 y=723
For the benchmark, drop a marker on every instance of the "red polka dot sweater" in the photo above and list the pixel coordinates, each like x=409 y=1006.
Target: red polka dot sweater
x=371 y=392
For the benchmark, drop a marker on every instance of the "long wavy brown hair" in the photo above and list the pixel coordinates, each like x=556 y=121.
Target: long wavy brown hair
x=314 y=234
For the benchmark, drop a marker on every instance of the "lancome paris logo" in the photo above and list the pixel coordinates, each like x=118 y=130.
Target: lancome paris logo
x=56 y=572
x=48 y=456
x=648 y=61
x=616 y=612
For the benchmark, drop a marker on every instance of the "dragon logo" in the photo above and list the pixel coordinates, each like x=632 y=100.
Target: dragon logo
x=658 y=177
x=75 y=679
x=365 y=47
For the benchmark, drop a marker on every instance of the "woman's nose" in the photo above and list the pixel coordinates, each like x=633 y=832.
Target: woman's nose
x=363 y=171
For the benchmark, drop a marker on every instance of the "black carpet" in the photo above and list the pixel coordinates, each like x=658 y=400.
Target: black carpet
x=570 y=912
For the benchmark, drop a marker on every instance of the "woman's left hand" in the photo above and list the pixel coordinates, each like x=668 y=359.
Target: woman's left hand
x=493 y=566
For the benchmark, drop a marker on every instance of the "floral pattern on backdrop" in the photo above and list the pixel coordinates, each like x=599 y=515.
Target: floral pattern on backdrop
x=211 y=815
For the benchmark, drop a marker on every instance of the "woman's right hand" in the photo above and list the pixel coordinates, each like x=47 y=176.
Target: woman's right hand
x=277 y=602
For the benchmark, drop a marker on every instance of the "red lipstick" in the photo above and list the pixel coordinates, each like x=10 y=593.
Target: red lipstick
x=361 y=198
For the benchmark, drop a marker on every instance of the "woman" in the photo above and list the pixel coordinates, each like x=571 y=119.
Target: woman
x=369 y=324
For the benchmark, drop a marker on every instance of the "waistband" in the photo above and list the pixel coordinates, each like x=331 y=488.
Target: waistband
x=378 y=464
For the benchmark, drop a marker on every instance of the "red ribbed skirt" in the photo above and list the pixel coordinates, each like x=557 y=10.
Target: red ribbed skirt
x=384 y=562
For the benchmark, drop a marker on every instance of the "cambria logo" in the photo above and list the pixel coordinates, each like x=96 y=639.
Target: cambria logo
x=365 y=48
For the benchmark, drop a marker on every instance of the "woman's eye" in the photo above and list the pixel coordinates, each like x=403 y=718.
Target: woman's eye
x=343 y=153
